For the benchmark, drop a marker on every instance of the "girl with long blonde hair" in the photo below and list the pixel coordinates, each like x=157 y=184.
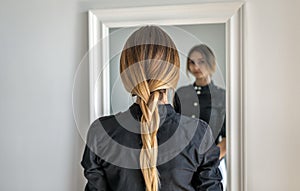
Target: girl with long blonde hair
x=150 y=147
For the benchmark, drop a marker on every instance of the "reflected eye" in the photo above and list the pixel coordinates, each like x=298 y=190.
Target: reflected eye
x=202 y=62
x=199 y=62
x=191 y=62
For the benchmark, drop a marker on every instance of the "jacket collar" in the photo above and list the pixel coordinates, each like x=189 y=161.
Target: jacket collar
x=165 y=110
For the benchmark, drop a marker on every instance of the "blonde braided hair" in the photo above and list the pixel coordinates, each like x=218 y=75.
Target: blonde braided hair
x=149 y=64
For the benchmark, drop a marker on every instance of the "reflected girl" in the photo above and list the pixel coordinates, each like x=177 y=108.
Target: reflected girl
x=203 y=99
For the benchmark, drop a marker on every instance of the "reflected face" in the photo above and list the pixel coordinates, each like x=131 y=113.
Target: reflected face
x=198 y=65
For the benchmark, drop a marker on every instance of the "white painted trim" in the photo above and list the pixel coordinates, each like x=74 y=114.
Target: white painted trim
x=168 y=15
x=98 y=62
x=101 y=20
x=235 y=103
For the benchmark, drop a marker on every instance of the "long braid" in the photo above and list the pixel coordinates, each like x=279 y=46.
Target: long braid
x=149 y=63
x=149 y=127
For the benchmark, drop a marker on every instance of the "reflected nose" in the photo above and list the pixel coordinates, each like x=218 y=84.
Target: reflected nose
x=197 y=67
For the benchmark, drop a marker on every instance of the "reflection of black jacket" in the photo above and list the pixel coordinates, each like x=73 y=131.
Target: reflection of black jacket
x=209 y=106
x=187 y=157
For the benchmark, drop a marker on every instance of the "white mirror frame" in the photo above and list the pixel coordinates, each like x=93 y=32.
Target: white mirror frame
x=230 y=13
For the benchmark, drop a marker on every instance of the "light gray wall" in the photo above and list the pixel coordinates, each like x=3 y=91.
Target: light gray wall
x=272 y=94
x=185 y=37
x=43 y=43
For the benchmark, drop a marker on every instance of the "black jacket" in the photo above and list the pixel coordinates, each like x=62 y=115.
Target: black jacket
x=209 y=106
x=187 y=155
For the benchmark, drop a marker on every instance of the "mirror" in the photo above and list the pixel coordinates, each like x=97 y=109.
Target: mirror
x=185 y=37
x=230 y=14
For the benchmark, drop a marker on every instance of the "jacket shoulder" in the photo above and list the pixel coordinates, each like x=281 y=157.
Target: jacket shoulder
x=184 y=88
x=97 y=122
x=219 y=89
x=98 y=125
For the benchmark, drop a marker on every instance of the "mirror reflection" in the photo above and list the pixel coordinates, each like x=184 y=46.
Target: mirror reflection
x=200 y=92
x=185 y=37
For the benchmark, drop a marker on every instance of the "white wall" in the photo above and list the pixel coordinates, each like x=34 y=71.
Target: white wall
x=272 y=94
x=42 y=44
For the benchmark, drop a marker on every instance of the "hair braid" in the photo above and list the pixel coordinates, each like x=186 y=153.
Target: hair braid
x=149 y=127
x=149 y=63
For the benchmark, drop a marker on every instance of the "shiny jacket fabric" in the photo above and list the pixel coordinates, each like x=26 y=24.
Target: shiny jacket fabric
x=209 y=106
x=187 y=156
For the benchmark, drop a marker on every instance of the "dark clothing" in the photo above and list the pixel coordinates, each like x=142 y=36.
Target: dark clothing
x=187 y=156
x=208 y=104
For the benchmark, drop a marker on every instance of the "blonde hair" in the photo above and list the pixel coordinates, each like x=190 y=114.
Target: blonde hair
x=207 y=54
x=149 y=65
